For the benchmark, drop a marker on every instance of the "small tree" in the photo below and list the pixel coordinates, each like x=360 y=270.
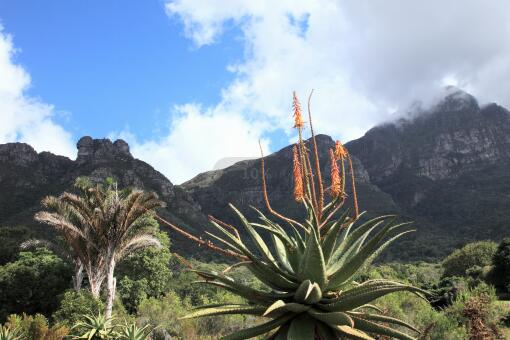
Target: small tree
x=73 y=305
x=501 y=262
x=120 y=228
x=63 y=252
x=31 y=283
x=145 y=273
x=476 y=254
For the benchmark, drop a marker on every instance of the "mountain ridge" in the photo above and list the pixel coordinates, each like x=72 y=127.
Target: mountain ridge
x=446 y=169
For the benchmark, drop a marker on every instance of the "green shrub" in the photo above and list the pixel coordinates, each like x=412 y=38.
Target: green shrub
x=433 y=324
x=73 y=305
x=472 y=254
x=501 y=262
x=145 y=274
x=421 y=274
x=31 y=283
x=164 y=314
x=445 y=292
x=10 y=239
x=495 y=311
x=35 y=327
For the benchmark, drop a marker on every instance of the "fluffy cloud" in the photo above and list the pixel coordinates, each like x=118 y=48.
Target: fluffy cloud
x=197 y=140
x=363 y=57
x=23 y=118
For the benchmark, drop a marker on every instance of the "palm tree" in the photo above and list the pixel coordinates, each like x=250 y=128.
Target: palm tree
x=72 y=216
x=100 y=227
x=122 y=220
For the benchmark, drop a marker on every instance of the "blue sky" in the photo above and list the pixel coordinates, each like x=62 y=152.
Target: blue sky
x=189 y=82
x=114 y=64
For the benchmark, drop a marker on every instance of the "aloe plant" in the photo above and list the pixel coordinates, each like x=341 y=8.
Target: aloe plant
x=133 y=332
x=309 y=268
x=95 y=327
x=6 y=333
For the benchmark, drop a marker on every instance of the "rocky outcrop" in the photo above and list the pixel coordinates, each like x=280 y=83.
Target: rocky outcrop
x=455 y=137
x=101 y=149
x=18 y=154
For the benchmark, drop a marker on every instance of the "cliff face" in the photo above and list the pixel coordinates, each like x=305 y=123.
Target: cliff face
x=100 y=158
x=454 y=137
x=447 y=168
x=241 y=184
x=26 y=177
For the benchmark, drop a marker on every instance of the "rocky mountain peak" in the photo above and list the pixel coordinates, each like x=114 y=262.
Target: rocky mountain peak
x=20 y=154
x=89 y=149
x=323 y=141
x=454 y=99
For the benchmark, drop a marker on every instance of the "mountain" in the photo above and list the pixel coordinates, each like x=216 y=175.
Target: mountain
x=240 y=184
x=27 y=176
x=445 y=167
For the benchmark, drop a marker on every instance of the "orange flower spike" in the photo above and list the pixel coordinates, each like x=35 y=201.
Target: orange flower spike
x=340 y=150
x=298 y=179
x=298 y=118
x=336 y=184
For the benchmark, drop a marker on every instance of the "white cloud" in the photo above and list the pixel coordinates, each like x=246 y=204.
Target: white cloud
x=197 y=140
x=362 y=57
x=24 y=118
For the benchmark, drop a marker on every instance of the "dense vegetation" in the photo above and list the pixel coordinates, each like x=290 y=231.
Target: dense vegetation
x=57 y=307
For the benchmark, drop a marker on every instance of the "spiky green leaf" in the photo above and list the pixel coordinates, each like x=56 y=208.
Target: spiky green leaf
x=301 y=328
x=259 y=329
x=313 y=266
x=226 y=309
x=383 y=318
x=372 y=327
x=332 y=318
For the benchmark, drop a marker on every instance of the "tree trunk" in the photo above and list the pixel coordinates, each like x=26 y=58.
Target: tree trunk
x=110 y=286
x=78 y=276
x=95 y=286
x=96 y=277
